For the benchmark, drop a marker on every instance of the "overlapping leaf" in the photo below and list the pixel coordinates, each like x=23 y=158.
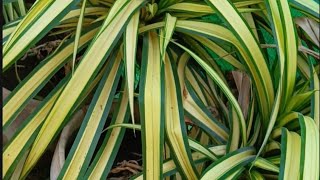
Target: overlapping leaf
x=87 y=68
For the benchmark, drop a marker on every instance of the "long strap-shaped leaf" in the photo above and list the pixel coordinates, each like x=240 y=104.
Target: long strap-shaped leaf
x=257 y=69
x=116 y=9
x=219 y=51
x=106 y=155
x=130 y=45
x=196 y=109
x=309 y=160
x=78 y=33
x=24 y=137
x=33 y=83
x=251 y=46
x=287 y=72
x=229 y=164
x=169 y=167
x=309 y=7
x=234 y=138
x=82 y=150
x=202 y=117
x=203 y=85
x=151 y=107
x=193 y=82
x=257 y=128
x=196 y=9
x=298 y=101
x=256 y=66
x=286 y=118
x=175 y=125
x=225 y=90
x=266 y=165
x=198 y=146
x=290 y=155
x=166 y=34
x=315 y=101
x=90 y=63
x=87 y=11
x=8 y=29
x=41 y=18
x=195 y=145
x=203 y=54
x=284 y=32
x=209 y=95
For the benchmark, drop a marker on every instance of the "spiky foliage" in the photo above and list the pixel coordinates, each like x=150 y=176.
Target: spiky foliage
x=266 y=126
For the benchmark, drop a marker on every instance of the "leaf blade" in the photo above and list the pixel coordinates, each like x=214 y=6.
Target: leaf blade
x=82 y=75
x=151 y=107
x=175 y=125
x=130 y=45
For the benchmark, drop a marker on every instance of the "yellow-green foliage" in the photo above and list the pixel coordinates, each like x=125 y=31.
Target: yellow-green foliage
x=259 y=121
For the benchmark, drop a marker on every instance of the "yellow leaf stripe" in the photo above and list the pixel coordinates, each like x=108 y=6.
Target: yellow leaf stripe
x=21 y=94
x=92 y=125
x=290 y=156
x=175 y=123
x=90 y=63
x=151 y=107
x=104 y=160
x=130 y=46
x=13 y=151
x=34 y=25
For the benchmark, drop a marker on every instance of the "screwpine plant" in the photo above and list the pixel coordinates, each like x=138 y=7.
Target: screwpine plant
x=168 y=59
